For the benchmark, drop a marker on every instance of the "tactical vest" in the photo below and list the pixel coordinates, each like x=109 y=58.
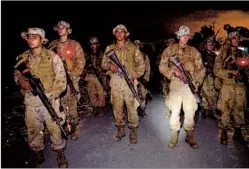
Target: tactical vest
x=186 y=56
x=230 y=57
x=41 y=68
x=94 y=61
x=126 y=55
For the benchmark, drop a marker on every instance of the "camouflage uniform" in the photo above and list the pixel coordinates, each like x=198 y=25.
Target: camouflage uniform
x=73 y=55
x=75 y=61
x=165 y=81
x=48 y=67
x=95 y=89
x=130 y=57
x=208 y=91
x=141 y=87
x=144 y=80
x=232 y=99
x=180 y=93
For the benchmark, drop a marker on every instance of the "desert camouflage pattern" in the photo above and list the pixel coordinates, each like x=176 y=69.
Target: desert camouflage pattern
x=49 y=68
x=142 y=91
x=179 y=92
x=232 y=98
x=208 y=91
x=73 y=54
x=133 y=60
x=96 y=90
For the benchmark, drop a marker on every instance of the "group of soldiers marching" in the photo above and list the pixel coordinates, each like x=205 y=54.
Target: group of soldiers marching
x=220 y=74
x=64 y=59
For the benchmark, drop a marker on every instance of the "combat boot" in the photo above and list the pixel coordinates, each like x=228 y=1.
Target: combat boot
x=61 y=159
x=75 y=132
x=133 y=135
x=190 y=139
x=95 y=111
x=120 y=134
x=204 y=113
x=143 y=114
x=239 y=137
x=101 y=112
x=173 y=139
x=223 y=137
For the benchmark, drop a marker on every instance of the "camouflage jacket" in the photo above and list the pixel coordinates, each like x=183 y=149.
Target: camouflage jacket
x=225 y=63
x=130 y=57
x=93 y=61
x=48 y=67
x=147 y=72
x=189 y=57
x=208 y=61
x=72 y=52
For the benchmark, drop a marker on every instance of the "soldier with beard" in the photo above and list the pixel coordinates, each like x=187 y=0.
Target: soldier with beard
x=208 y=91
x=95 y=78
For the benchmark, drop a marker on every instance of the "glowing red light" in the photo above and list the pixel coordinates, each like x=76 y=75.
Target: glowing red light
x=243 y=62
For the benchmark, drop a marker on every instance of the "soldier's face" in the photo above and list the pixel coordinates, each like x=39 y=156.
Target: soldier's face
x=235 y=41
x=62 y=30
x=34 y=41
x=94 y=46
x=120 y=34
x=184 y=39
x=210 y=46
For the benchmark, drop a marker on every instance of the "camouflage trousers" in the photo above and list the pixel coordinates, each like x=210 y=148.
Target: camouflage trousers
x=95 y=92
x=35 y=117
x=69 y=103
x=209 y=94
x=165 y=91
x=142 y=91
x=180 y=95
x=120 y=94
x=232 y=101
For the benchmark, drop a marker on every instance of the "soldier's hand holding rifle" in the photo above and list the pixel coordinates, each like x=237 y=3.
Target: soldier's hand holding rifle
x=25 y=84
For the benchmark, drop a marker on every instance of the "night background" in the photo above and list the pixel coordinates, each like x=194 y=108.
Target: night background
x=146 y=21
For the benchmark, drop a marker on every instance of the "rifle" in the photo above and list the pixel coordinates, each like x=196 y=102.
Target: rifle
x=123 y=72
x=187 y=79
x=69 y=81
x=95 y=72
x=148 y=95
x=38 y=90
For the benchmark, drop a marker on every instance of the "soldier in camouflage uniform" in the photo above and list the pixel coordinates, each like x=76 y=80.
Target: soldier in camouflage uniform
x=73 y=54
x=48 y=67
x=132 y=59
x=180 y=93
x=165 y=83
x=208 y=91
x=94 y=78
x=144 y=80
x=232 y=99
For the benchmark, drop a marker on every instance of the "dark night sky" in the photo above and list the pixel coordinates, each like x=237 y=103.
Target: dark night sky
x=145 y=20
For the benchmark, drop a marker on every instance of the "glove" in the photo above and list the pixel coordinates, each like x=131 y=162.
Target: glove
x=113 y=68
x=24 y=84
